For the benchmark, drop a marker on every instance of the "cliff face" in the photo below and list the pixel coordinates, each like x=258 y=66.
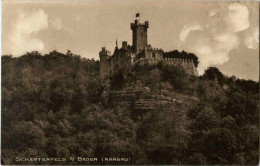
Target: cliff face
x=141 y=100
x=144 y=99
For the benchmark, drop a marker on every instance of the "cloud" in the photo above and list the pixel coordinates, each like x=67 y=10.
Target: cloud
x=252 y=40
x=237 y=17
x=214 y=51
x=217 y=36
x=56 y=24
x=187 y=29
x=23 y=35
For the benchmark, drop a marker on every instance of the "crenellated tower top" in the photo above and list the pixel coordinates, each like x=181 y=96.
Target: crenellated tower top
x=139 y=34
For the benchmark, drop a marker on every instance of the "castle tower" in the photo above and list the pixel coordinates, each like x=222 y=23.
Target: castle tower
x=104 y=55
x=139 y=35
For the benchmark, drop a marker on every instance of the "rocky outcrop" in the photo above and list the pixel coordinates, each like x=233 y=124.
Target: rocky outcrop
x=143 y=99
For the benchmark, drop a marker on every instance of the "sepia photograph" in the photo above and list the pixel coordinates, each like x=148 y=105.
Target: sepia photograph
x=129 y=82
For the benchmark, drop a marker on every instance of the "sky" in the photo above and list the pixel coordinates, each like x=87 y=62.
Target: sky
x=221 y=34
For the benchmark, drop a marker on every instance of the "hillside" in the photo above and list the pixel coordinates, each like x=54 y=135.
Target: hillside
x=55 y=105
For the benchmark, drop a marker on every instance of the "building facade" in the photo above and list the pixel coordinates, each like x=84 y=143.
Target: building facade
x=138 y=53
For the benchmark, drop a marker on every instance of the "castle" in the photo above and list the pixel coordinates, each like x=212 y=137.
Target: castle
x=139 y=53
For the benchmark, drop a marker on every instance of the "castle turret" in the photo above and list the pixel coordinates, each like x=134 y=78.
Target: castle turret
x=139 y=35
x=104 y=55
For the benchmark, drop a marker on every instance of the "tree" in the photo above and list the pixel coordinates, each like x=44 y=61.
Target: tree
x=117 y=80
x=213 y=73
x=175 y=75
x=95 y=89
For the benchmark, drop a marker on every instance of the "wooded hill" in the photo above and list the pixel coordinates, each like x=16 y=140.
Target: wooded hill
x=55 y=105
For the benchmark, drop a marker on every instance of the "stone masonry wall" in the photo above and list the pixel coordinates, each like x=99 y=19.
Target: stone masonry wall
x=187 y=64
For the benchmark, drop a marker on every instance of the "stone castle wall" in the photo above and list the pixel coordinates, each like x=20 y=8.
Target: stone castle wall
x=186 y=64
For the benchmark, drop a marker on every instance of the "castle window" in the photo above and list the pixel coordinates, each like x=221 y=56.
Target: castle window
x=153 y=55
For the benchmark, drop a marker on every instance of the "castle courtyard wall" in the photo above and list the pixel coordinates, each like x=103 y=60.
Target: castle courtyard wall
x=186 y=64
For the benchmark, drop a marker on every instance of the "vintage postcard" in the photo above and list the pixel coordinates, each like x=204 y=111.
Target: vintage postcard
x=131 y=82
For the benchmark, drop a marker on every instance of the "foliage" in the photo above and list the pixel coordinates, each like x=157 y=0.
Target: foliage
x=175 y=75
x=117 y=80
x=56 y=105
x=213 y=73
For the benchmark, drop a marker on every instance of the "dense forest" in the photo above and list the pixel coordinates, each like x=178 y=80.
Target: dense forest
x=55 y=105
